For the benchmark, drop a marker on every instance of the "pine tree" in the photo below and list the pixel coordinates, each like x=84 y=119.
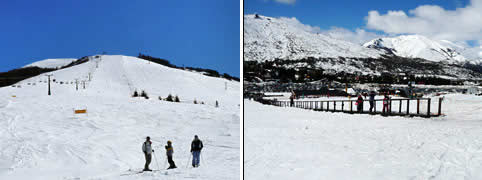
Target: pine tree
x=176 y=99
x=135 y=94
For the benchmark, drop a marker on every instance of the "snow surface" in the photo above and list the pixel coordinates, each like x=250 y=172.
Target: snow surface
x=43 y=139
x=268 y=38
x=417 y=46
x=292 y=143
x=51 y=63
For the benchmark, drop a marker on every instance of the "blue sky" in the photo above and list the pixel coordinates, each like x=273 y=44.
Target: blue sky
x=191 y=33
x=454 y=20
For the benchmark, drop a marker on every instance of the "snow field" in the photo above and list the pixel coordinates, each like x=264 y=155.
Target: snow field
x=288 y=143
x=43 y=139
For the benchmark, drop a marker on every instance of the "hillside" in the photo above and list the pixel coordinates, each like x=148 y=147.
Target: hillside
x=43 y=138
x=268 y=38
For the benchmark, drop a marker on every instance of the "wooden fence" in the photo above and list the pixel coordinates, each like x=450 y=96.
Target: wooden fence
x=420 y=107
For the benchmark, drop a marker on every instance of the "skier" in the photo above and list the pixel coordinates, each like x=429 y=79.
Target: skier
x=372 y=100
x=196 y=147
x=385 y=103
x=359 y=103
x=169 y=152
x=147 y=149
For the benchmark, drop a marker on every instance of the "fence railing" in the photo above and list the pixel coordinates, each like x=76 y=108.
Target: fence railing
x=392 y=107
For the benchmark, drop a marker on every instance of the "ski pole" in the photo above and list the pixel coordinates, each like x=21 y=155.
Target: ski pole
x=202 y=157
x=156 y=160
x=165 y=164
x=187 y=164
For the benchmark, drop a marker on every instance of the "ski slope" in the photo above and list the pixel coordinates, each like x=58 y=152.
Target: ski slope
x=291 y=143
x=43 y=139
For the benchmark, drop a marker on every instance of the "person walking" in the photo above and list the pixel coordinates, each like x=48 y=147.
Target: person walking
x=169 y=152
x=147 y=149
x=196 y=147
x=372 y=100
x=359 y=103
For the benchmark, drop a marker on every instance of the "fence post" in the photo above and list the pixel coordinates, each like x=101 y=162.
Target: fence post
x=334 y=106
x=351 y=106
x=408 y=106
x=440 y=106
x=342 y=106
x=400 y=107
x=374 y=106
x=418 y=106
x=428 y=107
x=390 y=107
x=327 y=105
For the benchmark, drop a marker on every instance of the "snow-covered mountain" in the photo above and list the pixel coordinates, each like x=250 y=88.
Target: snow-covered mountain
x=289 y=44
x=268 y=38
x=42 y=138
x=416 y=46
x=51 y=63
x=472 y=54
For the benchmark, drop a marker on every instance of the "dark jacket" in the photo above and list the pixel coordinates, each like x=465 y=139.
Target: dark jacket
x=359 y=100
x=196 y=145
x=169 y=150
x=372 y=96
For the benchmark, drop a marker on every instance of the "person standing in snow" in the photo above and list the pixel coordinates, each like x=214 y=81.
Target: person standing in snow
x=372 y=100
x=292 y=97
x=147 y=149
x=169 y=152
x=359 y=103
x=385 y=103
x=196 y=147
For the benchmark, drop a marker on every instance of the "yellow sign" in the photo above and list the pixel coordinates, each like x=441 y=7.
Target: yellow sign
x=81 y=111
x=14 y=96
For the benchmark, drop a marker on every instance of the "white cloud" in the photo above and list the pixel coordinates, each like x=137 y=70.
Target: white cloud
x=359 y=36
x=461 y=24
x=286 y=1
x=296 y=23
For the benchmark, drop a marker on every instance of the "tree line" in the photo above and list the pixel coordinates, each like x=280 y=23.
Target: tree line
x=208 y=72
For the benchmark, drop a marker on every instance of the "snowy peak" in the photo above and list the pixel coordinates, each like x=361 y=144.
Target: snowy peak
x=417 y=46
x=268 y=38
x=51 y=63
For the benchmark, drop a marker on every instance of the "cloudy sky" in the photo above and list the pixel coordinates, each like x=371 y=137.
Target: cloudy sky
x=459 y=21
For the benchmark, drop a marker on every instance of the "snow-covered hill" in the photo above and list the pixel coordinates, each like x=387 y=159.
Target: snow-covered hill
x=43 y=139
x=268 y=38
x=416 y=46
x=51 y=63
